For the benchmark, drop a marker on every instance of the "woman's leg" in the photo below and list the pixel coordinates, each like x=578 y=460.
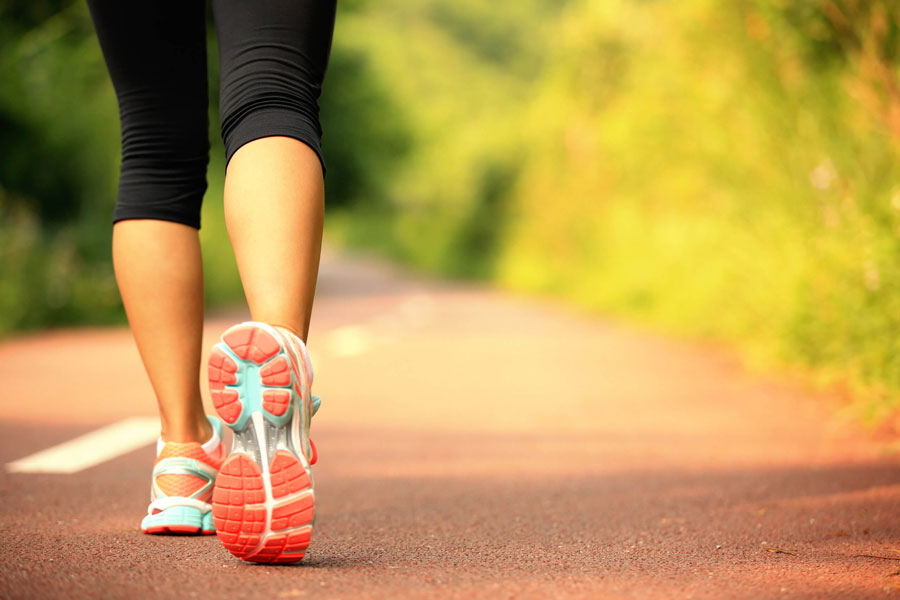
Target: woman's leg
x=160 y=277
x=156 y=56
x=274 y=203
x=272 y=56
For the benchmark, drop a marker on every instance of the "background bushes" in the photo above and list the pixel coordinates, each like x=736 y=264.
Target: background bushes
x=725 y=170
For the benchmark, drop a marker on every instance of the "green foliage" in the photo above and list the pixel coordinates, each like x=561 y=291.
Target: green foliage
x=59 y=149
x=369 y=132
x=56 y=183
x=461 y=72
x=738 y=179
x=726 y=170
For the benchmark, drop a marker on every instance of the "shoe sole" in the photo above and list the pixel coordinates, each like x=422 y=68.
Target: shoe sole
x=263 y=502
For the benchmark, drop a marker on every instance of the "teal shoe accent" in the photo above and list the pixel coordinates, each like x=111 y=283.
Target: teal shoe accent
x=217 y=425
x=178 y=519
x=208 y=523
x=250 y=388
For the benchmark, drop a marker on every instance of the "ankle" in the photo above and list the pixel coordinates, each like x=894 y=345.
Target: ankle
x=197 y=430
x=295 y=330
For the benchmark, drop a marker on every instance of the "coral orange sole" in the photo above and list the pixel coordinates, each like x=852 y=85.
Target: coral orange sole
x=263 y=500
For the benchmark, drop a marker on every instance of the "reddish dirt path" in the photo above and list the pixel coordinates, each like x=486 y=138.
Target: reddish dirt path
x=472 y=445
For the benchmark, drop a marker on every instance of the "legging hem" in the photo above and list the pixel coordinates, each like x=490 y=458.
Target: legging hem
x=156 y=216
x=273 y=123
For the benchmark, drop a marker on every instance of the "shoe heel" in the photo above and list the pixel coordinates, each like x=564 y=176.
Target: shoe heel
x=248 y=371
x=263 y=501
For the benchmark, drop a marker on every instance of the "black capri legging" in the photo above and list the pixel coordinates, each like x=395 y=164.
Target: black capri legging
x=272 y=60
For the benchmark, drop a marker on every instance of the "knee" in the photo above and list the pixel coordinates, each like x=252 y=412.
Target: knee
x=271 y=109
x=163 y=170
x=270 y=87
x=272 y=65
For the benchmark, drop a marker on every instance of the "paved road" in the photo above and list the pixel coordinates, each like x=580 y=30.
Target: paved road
x=472 y=445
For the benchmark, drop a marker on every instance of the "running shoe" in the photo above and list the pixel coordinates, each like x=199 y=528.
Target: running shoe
x=182 y=485
x=263 y=502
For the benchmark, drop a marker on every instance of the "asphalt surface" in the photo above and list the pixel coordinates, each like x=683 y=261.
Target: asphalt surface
x=472 y=445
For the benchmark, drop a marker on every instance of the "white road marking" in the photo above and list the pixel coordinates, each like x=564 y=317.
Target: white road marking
x=91 y=449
